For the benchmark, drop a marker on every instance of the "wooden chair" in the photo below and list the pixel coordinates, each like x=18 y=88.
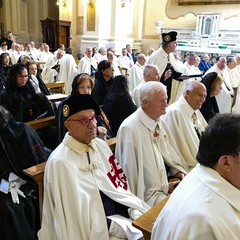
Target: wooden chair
x=37 y=173
x=124 y=71
x=146 y=221
x=57 y=87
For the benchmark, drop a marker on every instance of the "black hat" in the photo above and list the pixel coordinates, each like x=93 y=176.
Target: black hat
x=169 y=37
x=77 y=103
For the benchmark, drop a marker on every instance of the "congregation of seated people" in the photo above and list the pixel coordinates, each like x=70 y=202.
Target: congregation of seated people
x=157 y=105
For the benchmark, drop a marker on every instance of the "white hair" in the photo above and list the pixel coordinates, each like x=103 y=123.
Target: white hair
x=148 y=90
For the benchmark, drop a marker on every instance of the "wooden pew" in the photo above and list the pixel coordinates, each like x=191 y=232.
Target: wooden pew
x=56 y=86
x=37 y=173
x=112 y=143
x=42 y=122
x=146 y=221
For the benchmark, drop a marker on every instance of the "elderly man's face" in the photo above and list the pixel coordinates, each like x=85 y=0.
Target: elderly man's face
x=196 y=97
x=172 y=46
x=222 y=62
x=89 y=52
x=82 y=125
x=156 y=107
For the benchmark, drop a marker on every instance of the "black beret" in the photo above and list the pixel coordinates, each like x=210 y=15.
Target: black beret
x=169 y=37
x=77 y=103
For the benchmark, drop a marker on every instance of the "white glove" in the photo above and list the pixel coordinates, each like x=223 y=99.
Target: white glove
x=14 y=185
x=35 y=84
x=117 y=231
x=134 y=213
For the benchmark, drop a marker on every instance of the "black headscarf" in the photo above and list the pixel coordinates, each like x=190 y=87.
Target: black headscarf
x=209 y=107
x=20 y=146
x=23 y=103
x=118 y=103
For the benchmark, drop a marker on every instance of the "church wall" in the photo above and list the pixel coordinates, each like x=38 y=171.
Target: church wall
x=116 y=27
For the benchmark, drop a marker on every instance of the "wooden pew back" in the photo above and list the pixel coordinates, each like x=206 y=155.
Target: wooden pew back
x=56 y=86
x=42 y=122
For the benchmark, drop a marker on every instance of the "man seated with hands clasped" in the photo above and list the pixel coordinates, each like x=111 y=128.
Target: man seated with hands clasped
x=85 y=189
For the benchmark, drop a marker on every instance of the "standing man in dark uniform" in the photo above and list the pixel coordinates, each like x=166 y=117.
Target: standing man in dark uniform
x=164 y=59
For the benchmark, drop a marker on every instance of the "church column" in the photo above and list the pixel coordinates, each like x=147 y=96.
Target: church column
x=97 y=24
x=138 y=12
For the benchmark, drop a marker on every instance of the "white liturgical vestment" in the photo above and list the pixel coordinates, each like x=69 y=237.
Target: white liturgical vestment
x=204 y=206
x=142 y=156
x=84 y=65
x=180 y=122
x=72 y=207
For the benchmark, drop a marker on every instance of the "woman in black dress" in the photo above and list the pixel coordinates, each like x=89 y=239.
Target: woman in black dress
x=212 y=82
x=25 y=101
x=118 y=103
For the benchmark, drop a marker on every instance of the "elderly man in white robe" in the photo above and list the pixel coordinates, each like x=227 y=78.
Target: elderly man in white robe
x=234 y=77
x=87 y=64
x=86 y=194
x=206 y=205
x=150 y=73
x=136 y=72
x=145 y=144
x=186 y=121
x=52 y=67
x=225 y=97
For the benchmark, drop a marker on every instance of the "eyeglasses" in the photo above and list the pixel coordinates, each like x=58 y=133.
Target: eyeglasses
x=22 y=76
x=85 y=121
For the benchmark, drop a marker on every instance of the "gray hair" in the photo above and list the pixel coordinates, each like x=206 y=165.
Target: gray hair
x=190 y=56
x=148 y=90
x=147 y=68
x=140 y=55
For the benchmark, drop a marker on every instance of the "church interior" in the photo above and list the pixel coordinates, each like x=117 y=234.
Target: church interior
x=103 y=23
x=182 y=33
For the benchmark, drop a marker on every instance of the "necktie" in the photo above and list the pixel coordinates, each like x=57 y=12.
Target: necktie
x=168 y=59
x=156 y=131
x=194 y=119
x=156 y=134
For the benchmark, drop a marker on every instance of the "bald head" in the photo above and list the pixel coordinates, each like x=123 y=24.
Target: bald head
x=195 y=94
x=222 y=62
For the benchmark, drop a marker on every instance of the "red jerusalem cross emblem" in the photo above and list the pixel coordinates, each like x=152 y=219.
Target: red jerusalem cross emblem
x=116 y=174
